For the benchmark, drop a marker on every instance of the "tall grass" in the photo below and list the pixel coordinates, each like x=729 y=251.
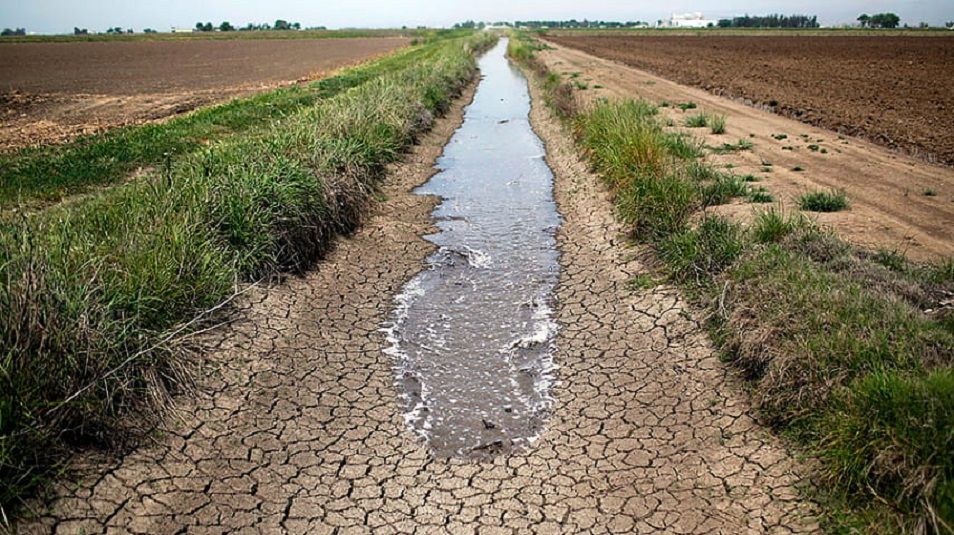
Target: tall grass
x=43 y=174
x=91 y=291
x=848 y=352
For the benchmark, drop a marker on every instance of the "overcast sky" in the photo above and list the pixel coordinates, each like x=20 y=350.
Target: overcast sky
x=60 y=16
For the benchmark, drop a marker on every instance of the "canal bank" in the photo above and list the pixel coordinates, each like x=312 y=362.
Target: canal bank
x=301 y=429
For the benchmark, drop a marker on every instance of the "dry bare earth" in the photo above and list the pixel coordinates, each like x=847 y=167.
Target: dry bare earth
x=893 y=90
x=300 y=431
x=53 y=92
x=888 y=206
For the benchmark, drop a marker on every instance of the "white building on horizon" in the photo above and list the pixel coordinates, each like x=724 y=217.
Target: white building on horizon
x=689 y=20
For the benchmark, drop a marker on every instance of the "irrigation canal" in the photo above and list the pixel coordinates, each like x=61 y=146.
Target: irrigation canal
x=472 y=335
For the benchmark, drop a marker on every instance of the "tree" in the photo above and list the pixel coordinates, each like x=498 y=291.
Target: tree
x=200 y=27
x=226 y=27
x=149 y=30
x=864 y=19
x=725 y=23
x=8 y=31
x=281 y=25
x=884 y=20
x=80 y=31
x=949 y=24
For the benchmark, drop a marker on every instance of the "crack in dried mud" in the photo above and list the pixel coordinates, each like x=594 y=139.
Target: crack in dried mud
x=299 y=428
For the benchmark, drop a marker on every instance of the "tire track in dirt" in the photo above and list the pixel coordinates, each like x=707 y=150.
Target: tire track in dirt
x=299 y=430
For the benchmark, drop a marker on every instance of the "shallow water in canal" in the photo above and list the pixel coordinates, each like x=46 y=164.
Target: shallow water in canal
x=472 y=337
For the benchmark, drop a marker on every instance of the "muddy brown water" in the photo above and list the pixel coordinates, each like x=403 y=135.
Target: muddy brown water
x=472 y=338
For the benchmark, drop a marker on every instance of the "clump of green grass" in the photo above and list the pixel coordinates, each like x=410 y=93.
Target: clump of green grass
x=700 y=120
x=726 y=148
x=772 y=225
x=697 y=254
x=717 y=123
x=687 y=106
x=622 y=143
x=759 y=195
x=928 y=192
x=723 y=189
x=780 y=137
x=823 y=201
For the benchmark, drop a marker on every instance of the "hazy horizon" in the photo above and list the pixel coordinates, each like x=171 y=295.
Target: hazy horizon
x=61 y=16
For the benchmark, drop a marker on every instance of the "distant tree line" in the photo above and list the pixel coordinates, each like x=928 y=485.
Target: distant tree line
x=881 y=20
x=771 y=21
x=573 y=23
x=536 y=24
x=227 y=26
x=8 y=31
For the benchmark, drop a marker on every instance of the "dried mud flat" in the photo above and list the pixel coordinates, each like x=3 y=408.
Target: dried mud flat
x=898 y=203
x=300 y=429
x=895 y=91
x=54 y=92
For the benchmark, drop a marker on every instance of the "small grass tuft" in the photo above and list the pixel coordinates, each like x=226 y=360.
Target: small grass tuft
x=759 y=195
x=700 y=120
x=696 y=255
x=727 y=148
x=772 y=225
x=717 y=124
x=823 y=201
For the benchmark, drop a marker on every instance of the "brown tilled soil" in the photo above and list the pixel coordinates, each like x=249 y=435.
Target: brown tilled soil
x=896 y=202
x=53 y=92
x=895 y=91
x=300 y=429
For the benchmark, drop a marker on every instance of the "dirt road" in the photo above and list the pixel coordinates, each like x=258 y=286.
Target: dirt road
x=300 y=430
x=897 y=202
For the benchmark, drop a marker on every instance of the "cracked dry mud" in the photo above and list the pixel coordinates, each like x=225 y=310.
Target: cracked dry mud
x=299 y=429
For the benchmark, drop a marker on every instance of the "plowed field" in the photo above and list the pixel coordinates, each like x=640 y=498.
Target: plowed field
x=52 y=92
x=895 y=91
